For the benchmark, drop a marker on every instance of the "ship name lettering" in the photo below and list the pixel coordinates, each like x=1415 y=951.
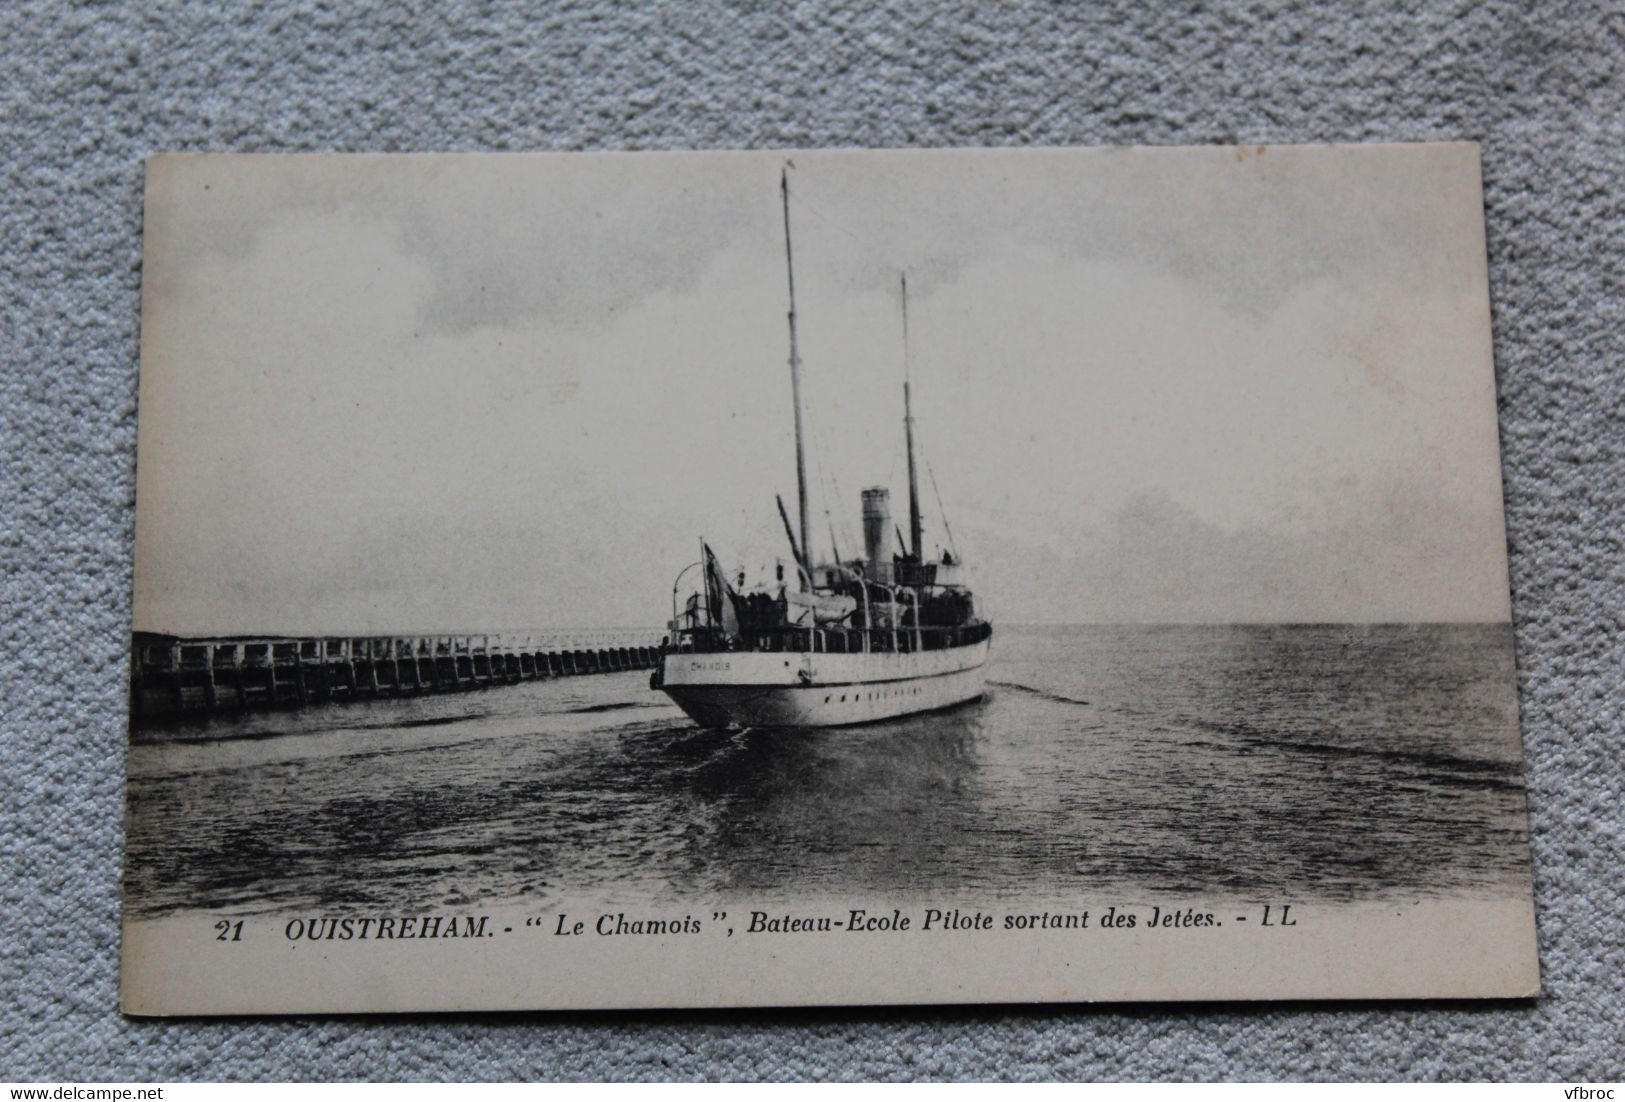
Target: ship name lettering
x=618 y=925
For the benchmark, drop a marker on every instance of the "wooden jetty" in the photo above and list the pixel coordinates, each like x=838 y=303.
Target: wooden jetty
x=171 y=675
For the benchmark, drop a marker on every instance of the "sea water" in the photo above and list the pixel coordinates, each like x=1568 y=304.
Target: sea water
x=1335 y=763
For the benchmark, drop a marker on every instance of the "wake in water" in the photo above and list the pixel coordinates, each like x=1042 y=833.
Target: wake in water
x=214 y=732
x=616 y=706
x=1059 y=698
x=1439 y=768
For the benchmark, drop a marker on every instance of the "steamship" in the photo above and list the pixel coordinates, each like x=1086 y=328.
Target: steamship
x=828 y=643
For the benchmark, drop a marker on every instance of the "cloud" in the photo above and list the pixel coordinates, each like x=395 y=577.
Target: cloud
x=1419 y=559
x=388 y=394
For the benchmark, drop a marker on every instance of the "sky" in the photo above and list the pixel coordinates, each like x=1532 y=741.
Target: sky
x=504 y=392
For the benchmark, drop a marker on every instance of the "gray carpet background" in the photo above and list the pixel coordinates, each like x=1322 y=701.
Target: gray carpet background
x=86 y=91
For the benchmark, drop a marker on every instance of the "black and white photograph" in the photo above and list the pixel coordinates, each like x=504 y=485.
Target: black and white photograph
x=599 y=580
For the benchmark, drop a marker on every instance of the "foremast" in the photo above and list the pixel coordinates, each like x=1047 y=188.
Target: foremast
x=795 y=382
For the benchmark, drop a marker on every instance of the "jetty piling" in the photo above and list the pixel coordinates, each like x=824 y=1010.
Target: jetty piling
x=173 y=675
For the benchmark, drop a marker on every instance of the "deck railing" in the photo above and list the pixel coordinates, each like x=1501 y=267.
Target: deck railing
x=836 y=640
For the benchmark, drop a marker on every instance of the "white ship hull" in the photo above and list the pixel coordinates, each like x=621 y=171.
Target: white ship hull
x=778 y=689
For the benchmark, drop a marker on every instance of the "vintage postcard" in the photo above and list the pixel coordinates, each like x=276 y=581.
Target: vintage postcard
x=827 y=577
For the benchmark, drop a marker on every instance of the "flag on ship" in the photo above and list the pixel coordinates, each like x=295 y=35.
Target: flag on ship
x=719 y=594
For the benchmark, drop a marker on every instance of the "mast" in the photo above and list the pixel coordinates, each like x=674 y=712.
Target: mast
x=908 y=432
x=795 y=365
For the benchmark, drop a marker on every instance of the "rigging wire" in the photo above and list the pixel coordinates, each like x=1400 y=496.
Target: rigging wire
x=941 y=512
x=829 y=487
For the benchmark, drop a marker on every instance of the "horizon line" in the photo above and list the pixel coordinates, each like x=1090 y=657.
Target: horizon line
x=663 y=630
